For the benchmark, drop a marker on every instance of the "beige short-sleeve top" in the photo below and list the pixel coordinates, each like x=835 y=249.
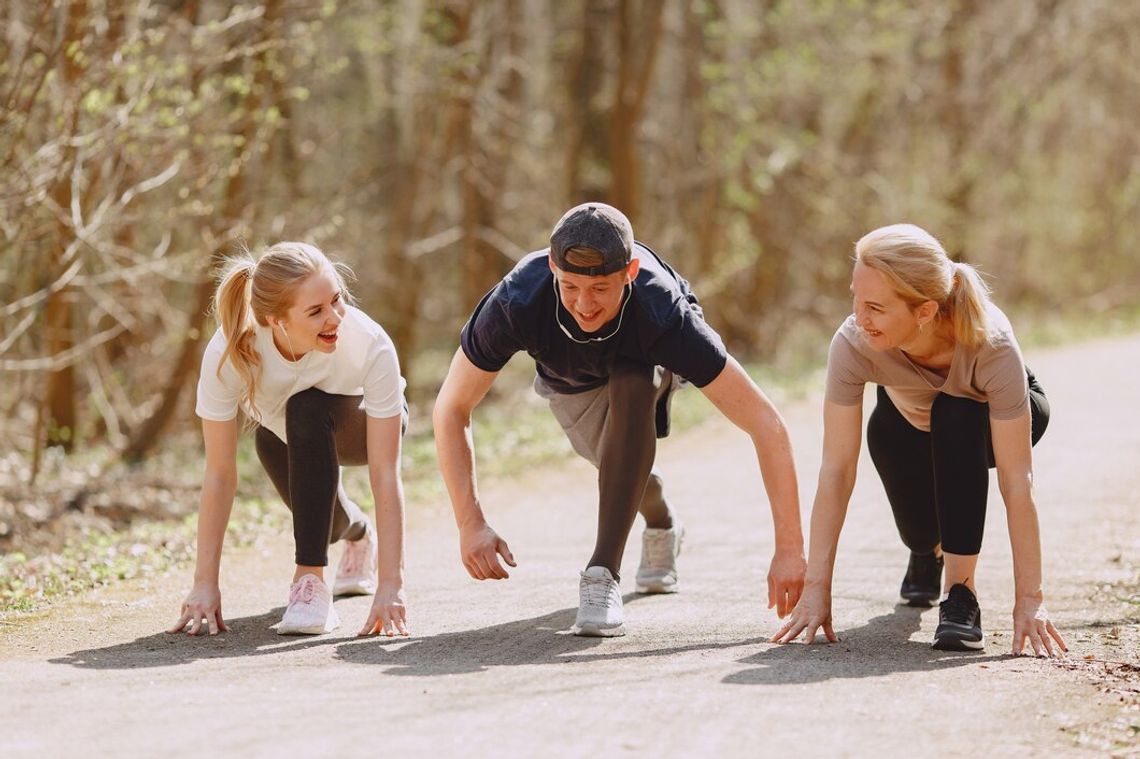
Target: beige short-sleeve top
x=993 y=373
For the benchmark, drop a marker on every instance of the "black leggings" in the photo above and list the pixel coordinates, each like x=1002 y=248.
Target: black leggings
x=937 y=482
x=626 y=451
x=325 y=431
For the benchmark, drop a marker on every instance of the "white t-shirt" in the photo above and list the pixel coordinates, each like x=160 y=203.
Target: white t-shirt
x=364 y=363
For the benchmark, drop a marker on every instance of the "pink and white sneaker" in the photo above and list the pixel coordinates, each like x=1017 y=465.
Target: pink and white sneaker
x=356 y=571
x=310 y=610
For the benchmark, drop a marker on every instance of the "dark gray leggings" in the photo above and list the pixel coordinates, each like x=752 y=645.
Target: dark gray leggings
x=615 y=427
x=937 y=482
x=325 y=431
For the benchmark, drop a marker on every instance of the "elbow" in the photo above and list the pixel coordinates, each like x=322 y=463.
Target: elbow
x=443 y=416
x=770 y=434
x=386 y=487
x=837 y=478
x=223 y=482
x=1016 y=487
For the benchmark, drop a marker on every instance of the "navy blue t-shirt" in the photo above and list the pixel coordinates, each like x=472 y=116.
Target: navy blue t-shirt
x=662 y=325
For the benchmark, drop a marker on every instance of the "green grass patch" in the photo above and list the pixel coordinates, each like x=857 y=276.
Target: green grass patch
x=99 y=557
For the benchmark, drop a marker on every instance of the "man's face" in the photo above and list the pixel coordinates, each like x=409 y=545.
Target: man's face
x=593 y=301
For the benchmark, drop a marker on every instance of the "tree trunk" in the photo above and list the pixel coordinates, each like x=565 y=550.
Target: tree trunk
x=639 y=32
x=955 y=118
x=586 y=143
x=61 y=413
x=488 y=163
x=234 y=208
x=446 y=26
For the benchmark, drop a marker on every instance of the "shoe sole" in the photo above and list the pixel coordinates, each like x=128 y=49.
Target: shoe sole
x=923 y=600
x=594 y=631
x=355 y=589
x=330 y=625
x=654 y=588
x=952 y=642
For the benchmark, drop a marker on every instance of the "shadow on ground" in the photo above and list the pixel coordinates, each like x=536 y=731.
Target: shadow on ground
x=877 y=648
x=539 y=640
x=248 y=636
x=880 y=647
x=530 y=641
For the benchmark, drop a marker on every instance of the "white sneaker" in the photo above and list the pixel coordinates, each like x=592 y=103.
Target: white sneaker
x=600 y=613
x=659 y=551
x=356 y=572
x=310 y=610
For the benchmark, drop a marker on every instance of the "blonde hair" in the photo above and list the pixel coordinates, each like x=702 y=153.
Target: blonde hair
x=250 y=291
x=916 y=265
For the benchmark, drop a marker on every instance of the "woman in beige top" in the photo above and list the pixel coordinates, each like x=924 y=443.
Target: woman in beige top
x=954 y=399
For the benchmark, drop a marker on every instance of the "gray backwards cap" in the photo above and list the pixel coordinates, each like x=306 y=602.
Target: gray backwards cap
x=596 y=226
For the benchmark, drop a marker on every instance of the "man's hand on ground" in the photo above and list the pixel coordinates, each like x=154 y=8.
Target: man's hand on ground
x=786 y=580
x=480 y=548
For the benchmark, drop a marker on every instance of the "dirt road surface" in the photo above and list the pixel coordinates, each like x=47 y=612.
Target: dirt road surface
x=491 y=671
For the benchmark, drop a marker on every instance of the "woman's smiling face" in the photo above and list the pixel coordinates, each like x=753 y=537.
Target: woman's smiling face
x=311 y=323
x=884 y=317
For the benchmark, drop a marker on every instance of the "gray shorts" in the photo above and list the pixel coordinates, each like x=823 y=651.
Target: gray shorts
x=584 y=416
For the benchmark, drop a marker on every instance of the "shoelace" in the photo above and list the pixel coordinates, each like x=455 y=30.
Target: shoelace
x=957 y=609
x=596 y=591
x=658 y=550
x=303 y=591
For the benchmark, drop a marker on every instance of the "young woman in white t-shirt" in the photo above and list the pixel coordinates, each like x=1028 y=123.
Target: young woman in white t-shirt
x=954 y=398
x=322 y=385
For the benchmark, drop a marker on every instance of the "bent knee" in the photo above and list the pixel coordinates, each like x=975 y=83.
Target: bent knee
x=951 y=411
x=632 y=382
x=307 y=407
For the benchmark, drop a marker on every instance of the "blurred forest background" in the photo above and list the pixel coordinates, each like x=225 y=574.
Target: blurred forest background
x=431 y=143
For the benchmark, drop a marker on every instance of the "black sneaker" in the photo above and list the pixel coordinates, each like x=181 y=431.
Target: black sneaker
x=959 y=621
x=923 y=582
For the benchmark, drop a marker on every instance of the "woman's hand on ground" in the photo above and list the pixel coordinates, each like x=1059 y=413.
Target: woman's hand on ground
x=202 y=610
x=811 y=613
x=480 y=548
x=389 y=614
x=1031 y=621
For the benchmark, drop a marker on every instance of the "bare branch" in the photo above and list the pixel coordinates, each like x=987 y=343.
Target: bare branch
x=63 y=360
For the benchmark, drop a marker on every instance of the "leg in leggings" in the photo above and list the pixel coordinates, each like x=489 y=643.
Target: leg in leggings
x=938 y=482
x=324 y=431
x=625 y=457
x=902 y=455
x=960 y=440
x=963 y=455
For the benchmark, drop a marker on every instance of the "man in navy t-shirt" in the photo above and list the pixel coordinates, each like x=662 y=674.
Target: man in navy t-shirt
x=613 y=330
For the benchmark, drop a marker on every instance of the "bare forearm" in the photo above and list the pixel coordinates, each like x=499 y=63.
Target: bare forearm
x=1024 y=539
x=828 y=513
x=388 y=494
x=777 y=468
x=213 y=515
x=456 y=451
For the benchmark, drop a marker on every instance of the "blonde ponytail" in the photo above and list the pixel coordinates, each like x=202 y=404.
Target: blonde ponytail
x=967 y=306
x=916 y=265
x=235 y=317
